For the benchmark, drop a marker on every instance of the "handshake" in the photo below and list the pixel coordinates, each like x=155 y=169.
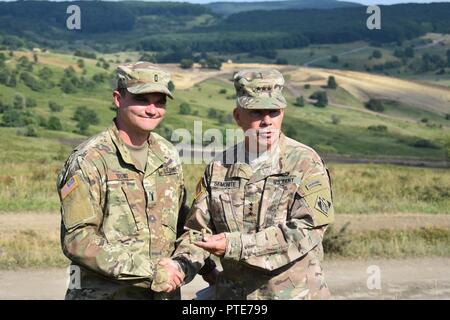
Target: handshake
x=168 y=276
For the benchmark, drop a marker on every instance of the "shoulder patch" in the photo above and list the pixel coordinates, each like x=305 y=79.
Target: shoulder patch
x=70 y=185
x=323 y=205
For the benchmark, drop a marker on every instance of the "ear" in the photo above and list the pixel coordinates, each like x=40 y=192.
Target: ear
x=237 y=115
x=117 y=98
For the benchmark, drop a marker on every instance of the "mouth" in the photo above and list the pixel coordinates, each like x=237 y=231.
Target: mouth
x=147 y=117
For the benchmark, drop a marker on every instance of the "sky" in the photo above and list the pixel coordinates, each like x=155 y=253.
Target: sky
x=366 y=2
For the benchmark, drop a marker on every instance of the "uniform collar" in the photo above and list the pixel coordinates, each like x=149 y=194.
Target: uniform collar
x=155 y=158
x=243 y=170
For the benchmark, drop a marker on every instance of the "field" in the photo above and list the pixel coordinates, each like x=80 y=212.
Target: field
x=393 y=212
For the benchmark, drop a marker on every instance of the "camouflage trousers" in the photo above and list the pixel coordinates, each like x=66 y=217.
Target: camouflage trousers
x=301 y=280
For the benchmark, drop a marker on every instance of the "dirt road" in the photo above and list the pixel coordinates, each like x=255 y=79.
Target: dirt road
x=427 y=278
x=50 y=222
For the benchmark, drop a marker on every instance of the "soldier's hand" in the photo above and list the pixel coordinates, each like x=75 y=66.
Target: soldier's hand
x=215 y=244
x=168 y=276
x=211 y=277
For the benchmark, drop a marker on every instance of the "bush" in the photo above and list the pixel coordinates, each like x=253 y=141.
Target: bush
x=321 y=97
x=30 y=103
x=223 y=91
x=307 y=86
x=374 y=105
x=13 y=118
x=335 y=119
x=185 y=108
x=31 y=82
x=378 y=128
x=45 y=73
x=334 y=59
x=171 y=86
x=212 y=113
x=54 y=107
x=281 y=61
x=19 y=102
x=423 y=143
x=186 y=63
x=377 y=54
x=85 y=115
x=299 y=102
x=54 y=124
x=331 y=83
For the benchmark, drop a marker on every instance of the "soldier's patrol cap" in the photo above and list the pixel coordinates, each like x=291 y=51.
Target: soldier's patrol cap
x=259 y=89
x=143 y=77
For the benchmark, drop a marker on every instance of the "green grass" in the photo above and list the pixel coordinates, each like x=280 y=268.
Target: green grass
x=423 y=242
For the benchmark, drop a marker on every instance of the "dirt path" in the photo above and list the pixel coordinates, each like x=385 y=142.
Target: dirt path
x=427 y=278
x=10 y=222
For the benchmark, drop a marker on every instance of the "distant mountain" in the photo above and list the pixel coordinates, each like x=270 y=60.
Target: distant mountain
x=228 y=8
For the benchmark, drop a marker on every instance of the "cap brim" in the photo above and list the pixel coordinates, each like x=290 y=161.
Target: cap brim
x=150 y=88
x=274 y=102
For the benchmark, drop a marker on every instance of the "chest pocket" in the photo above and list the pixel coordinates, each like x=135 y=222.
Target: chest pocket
x=125 y=209
x=226 y=205
x=279 y=192
x=166 y=201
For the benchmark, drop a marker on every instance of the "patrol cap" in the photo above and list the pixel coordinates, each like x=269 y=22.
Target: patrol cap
x=143 y=77
x=259 y=89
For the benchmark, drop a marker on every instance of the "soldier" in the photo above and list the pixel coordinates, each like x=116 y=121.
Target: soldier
x=121 y=194
x=268 y=211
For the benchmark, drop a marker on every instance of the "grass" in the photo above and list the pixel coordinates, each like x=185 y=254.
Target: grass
x=423 y=242
x=30 y=249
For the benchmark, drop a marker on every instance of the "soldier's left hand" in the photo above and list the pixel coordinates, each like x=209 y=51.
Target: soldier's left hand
x=215 y=244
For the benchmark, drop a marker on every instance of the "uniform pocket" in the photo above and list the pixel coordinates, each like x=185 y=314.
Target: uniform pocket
x=124 y=206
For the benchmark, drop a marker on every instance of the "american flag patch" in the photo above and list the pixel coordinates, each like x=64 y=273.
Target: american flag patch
x=71 y=185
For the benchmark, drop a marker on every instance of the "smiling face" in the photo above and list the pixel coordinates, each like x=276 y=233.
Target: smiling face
x=139 y=114
x=260 y=126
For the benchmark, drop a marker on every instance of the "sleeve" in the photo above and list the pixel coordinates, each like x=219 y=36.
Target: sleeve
x=275 y=246
x=82 y=199
x=193 y=259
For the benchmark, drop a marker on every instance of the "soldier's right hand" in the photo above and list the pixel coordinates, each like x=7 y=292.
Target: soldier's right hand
x=168 y=276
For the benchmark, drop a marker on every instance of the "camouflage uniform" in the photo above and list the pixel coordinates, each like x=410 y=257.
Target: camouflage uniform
x=274 y=218
x=119 y=219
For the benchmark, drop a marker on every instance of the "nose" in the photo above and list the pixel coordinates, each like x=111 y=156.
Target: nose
x=151 y=108
x=266 y=120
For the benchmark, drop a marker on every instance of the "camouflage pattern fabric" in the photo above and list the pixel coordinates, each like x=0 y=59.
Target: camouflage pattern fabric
x=143 y=77
x=118 y=220
x=259 y=89
x=274 y=221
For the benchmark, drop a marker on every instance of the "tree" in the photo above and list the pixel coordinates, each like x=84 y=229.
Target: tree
x=212 y=113
x=331 y=83
x=83 y=114
x=19 y=102
x=30 y=103
x=54 y=124
x=374 y=105
x=186 y=63
x=45 y=73
x=171 y=86
x=54 y=107
x=299 y=102
x=377 y=54
x=282 y=61
x=82 y=127
x=321 y=99
x=185 y=108
x=409 y=52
